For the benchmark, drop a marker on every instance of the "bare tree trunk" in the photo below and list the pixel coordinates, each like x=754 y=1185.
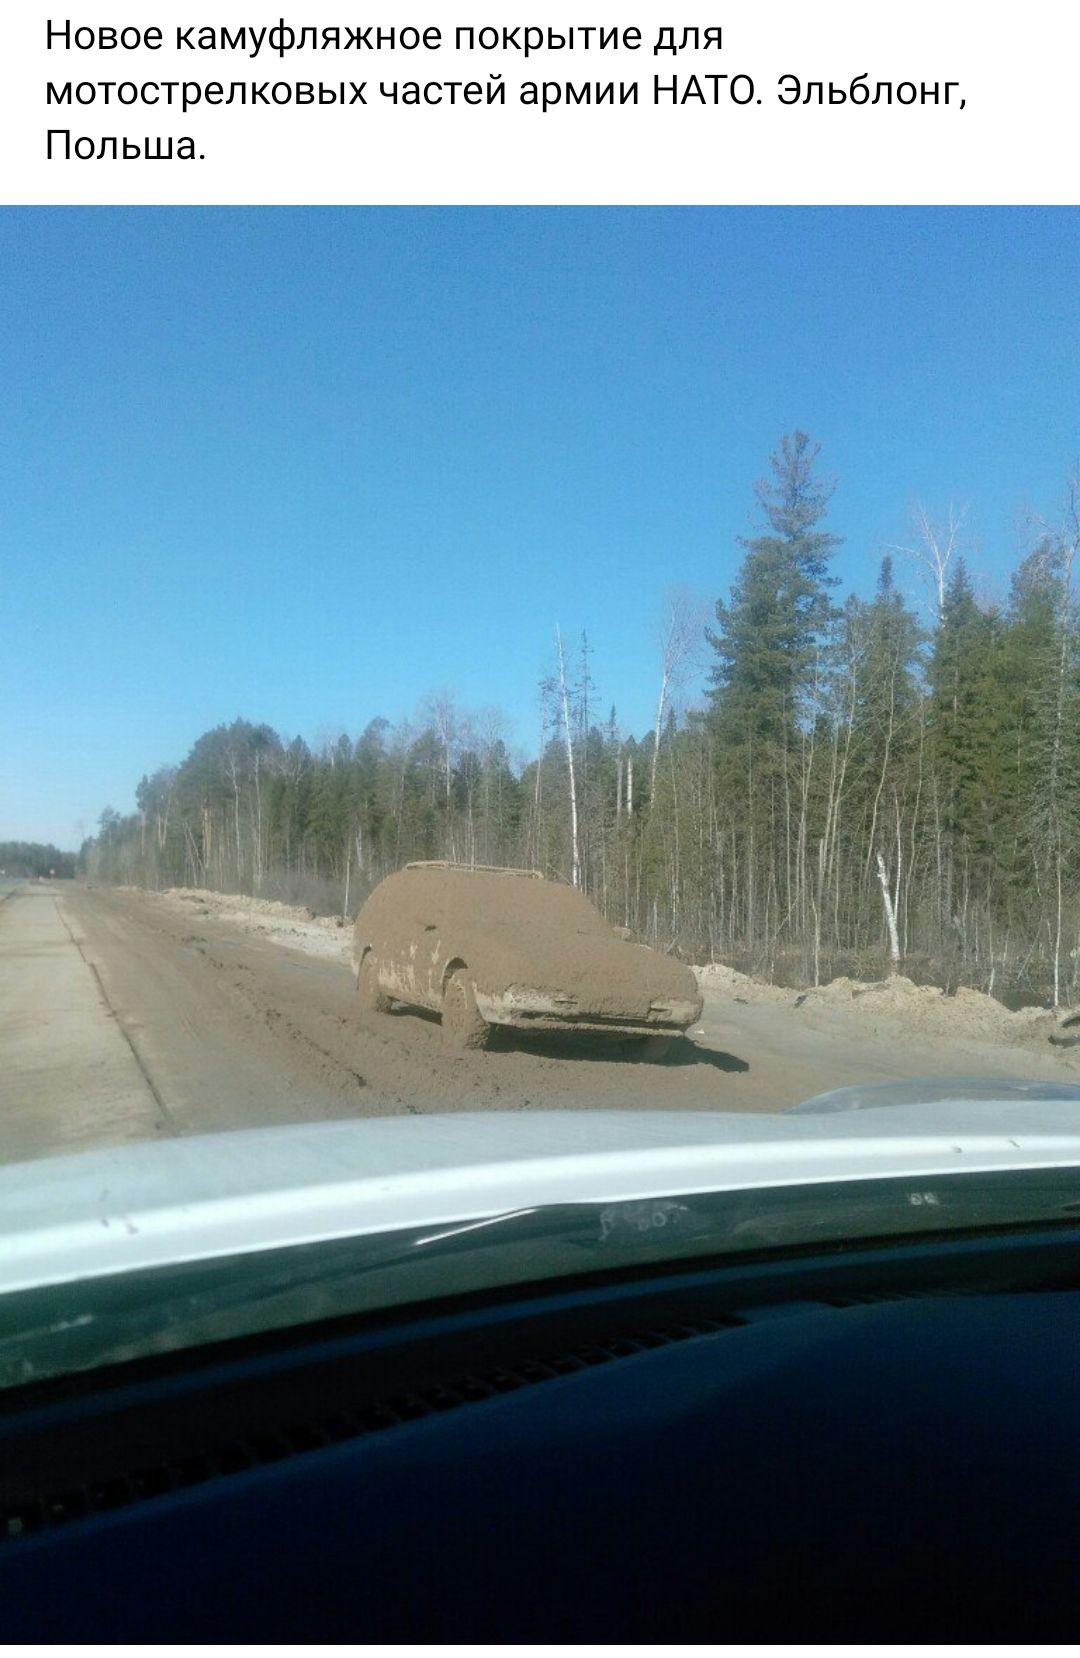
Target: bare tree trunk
x=665 y=674
x=236 y=816
x=680 y=635
x=676 y=884
x=535 y=860
x=916 y=804
x=564 y=697
x=890 y=917
x=935 y=545
x=1059 y=713
x=885 y=756
x=257 y=841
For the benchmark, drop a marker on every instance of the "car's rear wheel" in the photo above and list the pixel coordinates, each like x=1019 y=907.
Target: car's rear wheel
x=464 y=1026
x=372 y=998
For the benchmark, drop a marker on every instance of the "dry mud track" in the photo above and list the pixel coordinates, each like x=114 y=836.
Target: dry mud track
x=221 y=1029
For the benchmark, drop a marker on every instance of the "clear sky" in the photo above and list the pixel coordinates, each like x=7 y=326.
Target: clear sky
x=306 y=465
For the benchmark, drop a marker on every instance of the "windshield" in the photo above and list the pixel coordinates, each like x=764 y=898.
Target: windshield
x=691 y=593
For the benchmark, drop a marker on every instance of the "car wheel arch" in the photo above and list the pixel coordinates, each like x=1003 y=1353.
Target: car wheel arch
x=373 y=997
x=454 y=964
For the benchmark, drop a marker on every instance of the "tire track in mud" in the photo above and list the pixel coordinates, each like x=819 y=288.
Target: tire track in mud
x=238 y=976
x=214 y=1025
x=264 y=1009
x=404 y=1052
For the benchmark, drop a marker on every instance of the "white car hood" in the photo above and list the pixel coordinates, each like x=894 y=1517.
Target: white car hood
x=149 y=1205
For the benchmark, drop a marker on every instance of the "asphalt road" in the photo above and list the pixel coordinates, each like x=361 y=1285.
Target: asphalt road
x=122 y=1018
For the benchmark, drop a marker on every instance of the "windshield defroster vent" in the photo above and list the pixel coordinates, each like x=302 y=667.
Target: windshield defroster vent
x=220 y=1461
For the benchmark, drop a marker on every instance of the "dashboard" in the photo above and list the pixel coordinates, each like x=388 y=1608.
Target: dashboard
x=878 y=1443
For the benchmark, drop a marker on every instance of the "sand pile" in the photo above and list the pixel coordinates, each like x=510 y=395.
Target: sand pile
x=286 y=924
x=969 y=1014
x=915 y=1009
x=728 y=981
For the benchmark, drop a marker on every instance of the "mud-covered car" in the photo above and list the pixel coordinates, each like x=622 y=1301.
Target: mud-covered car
x=488 y=947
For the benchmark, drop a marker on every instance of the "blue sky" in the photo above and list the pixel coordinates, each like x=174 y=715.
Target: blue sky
x=305 y=465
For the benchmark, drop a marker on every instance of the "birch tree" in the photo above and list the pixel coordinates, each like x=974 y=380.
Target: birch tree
x=933 y=546
x=681 y=638
x=563 y=693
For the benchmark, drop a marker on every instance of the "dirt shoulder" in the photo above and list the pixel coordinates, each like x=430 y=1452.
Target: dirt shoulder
x=798 y=1044
x=286 y=924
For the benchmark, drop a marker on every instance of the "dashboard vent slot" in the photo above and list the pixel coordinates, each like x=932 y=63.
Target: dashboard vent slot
x=204 y=1464
x=874 y=1298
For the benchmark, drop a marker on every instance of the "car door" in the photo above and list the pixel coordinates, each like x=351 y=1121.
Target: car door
x=426 y=954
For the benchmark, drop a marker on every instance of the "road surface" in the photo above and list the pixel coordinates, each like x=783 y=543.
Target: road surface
x=123 y=1018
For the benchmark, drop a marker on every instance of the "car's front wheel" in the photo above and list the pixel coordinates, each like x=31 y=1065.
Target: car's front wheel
x=464 y=1026
x=372 y=998
x=652 y=1048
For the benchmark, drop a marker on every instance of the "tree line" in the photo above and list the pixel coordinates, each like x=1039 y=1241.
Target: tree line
x=29 y=859
x=860 y=788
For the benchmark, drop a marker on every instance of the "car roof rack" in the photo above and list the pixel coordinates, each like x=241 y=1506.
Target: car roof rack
x=475 y=869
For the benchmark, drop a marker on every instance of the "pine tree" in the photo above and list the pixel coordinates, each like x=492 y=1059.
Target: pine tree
x=779 y=604
x=768 y=643
x=968 y=679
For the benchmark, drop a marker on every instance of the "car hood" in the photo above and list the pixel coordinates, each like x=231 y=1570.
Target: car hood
x=153 y=1205
x=605 y=974
x=934 y=1091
